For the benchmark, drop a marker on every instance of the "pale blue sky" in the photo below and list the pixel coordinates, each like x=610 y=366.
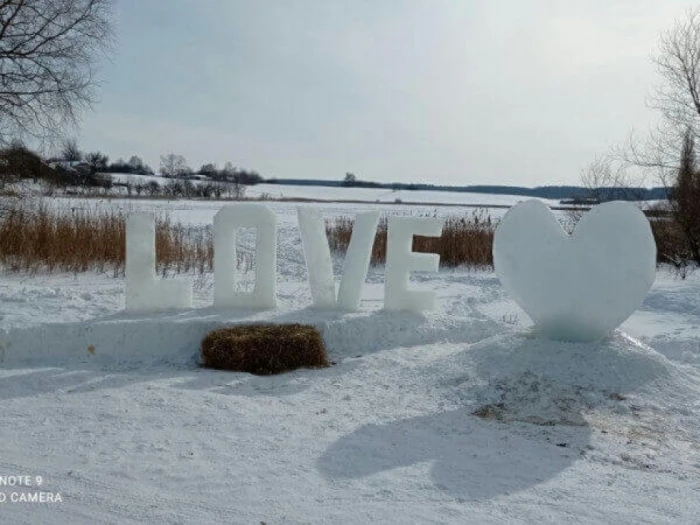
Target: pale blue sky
x=444 y=91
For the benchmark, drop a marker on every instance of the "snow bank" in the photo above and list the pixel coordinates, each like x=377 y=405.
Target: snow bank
x=549 y=382
x=174 y=338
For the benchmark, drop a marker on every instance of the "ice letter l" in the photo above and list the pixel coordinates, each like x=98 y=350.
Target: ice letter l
x=145 y=293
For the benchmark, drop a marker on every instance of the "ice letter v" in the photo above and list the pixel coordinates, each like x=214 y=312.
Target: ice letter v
x=319 y=264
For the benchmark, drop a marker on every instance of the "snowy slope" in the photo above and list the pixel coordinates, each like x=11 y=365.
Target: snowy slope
x=133 y=431
x=133 y=178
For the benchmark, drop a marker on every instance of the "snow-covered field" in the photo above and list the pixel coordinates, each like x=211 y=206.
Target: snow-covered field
x=286 y=191
x=201 y=212
x=112 y=411
x=279 y=191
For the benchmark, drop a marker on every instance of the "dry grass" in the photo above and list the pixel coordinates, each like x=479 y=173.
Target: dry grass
x=468 y=241
x=465 y=241
x=491 y=411
x=264 y=349
x=37 y=238
x=34 y=237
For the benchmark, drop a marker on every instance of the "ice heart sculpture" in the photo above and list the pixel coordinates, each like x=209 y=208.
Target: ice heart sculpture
x=576 y=287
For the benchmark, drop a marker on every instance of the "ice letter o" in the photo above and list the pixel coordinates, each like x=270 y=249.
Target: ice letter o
x=145 y=293
x=319 y=263
x=226 y=223
x=400 y=261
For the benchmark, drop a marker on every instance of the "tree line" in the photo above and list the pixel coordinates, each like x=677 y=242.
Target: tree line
x=72 y=167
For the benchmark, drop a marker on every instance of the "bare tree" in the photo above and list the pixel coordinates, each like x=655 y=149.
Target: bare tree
x=172 y=165
x=670 y=149
x=350 y=179
x=676 y=98
x=678 y=63
x=152 y=187
x=208 y=169
x=136 y=164
x=606 y=178
x=97 y=161
x=603 y=174
x=48 y=56
x=70 y=151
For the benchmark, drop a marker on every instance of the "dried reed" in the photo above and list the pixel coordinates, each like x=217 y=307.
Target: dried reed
x=465 y=241
x=35 y=237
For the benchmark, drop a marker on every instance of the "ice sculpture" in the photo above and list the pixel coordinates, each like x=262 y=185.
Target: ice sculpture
x=144 y=292
x=578 y=287
x=319 y=262
x=401 y=260
x=226 y=223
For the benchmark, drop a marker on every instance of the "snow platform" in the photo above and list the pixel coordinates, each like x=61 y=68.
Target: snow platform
x=174 y=338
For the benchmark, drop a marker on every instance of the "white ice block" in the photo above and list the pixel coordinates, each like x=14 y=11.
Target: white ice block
x=401 y=260
x=226 y=223
x=144 y=292
x=319 y=262
x=576 y=287
x=318 y=257
x=357 y=260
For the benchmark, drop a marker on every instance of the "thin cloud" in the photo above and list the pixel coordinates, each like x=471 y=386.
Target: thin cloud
x=493 y=92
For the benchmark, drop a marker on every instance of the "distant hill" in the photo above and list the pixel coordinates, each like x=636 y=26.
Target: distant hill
x=543 y=192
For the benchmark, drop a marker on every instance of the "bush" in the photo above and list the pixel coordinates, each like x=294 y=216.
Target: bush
x=264 y=349
x=672 y=245
x=684 y=201
x=19 y=162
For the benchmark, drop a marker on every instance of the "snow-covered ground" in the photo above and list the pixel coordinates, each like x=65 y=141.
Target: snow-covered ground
x=112 y=411
x=279 y=191
x=133 y=178
x=201 y=212
x=329 y=193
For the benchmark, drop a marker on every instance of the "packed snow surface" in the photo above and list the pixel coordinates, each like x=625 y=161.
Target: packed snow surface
x=582 y=286
x=458 y=415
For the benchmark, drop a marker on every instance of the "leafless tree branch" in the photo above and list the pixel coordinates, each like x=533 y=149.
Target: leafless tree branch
x=48 y=56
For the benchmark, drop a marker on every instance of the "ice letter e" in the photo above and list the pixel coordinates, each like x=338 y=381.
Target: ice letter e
x=319 y=263
x=145 y=293
x=578 y=287
x=226 y=224
x=401 y=260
